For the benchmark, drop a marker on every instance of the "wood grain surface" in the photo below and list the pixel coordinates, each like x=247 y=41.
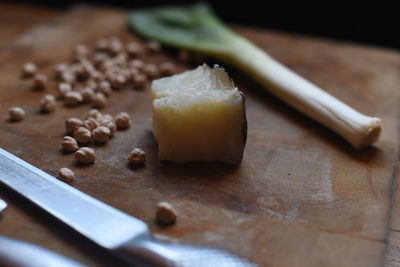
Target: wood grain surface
x=301 y=197
x=17 y=18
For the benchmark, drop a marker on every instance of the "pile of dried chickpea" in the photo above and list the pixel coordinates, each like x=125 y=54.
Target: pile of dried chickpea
x=99 y=128
x=93 y=74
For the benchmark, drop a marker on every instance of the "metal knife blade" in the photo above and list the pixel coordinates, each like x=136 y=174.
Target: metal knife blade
x=3 y=205
x=110 y=228
x=97 y=221
x=20 y=253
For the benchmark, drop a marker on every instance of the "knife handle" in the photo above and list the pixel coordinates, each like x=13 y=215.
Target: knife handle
x=147 y=251
x=16 y=253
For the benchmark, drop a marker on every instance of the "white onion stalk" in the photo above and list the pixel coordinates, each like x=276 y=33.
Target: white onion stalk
x=358 y=129
x=196 y=28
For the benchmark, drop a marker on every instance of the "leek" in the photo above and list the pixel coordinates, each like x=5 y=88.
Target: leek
x=196 y=28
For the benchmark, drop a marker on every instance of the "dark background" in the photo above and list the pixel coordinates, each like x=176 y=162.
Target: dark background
x=369 y=22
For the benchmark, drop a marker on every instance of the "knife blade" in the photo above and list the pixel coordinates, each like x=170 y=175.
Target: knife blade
x=110 y=228
x=3 y=205
x=18 y=253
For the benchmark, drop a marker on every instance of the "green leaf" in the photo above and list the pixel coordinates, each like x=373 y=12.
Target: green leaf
x=193 y=27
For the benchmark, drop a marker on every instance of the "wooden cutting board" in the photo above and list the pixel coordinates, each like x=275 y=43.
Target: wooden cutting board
x=301 y=197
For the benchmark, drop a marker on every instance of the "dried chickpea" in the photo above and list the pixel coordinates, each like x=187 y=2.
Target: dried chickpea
x=72 y=124
x=133 y=49
x=139 y=80
x=85 y=155
x=105 y=117
x=60 y=68
x=101 y=134
x=29 y=69
x=102 y=45
x=87 y=64
x=48 y=103
x=132 y=72
x=137 y=64
x=115 y=45
x=16 y=114
x=121 y=59
x=74 y=68
x=94 y=113
x=84 y=69
x=63 y=88
x=91 y=124
x=126 y=73
x=110 y=125
x=91 y=83
x=166 y=69
x=104 y=87
x=137 y=156
x=69 y=144
x=83 y=135
x=96 y=76
x=73 y=98
x=123 y=120
x=153 y=46
x=88 y=94
x=116 y=79
x=151 y=70
x=66 y=175
x=99 y=57
x=99 y=100
x=39 y=81
x=165 y=214
x=81 y=51
x=68 y=76
x=107 y=65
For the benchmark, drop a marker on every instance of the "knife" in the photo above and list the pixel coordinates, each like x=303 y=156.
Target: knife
x=3 y=205
x=17 y=253
x=124 y=235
